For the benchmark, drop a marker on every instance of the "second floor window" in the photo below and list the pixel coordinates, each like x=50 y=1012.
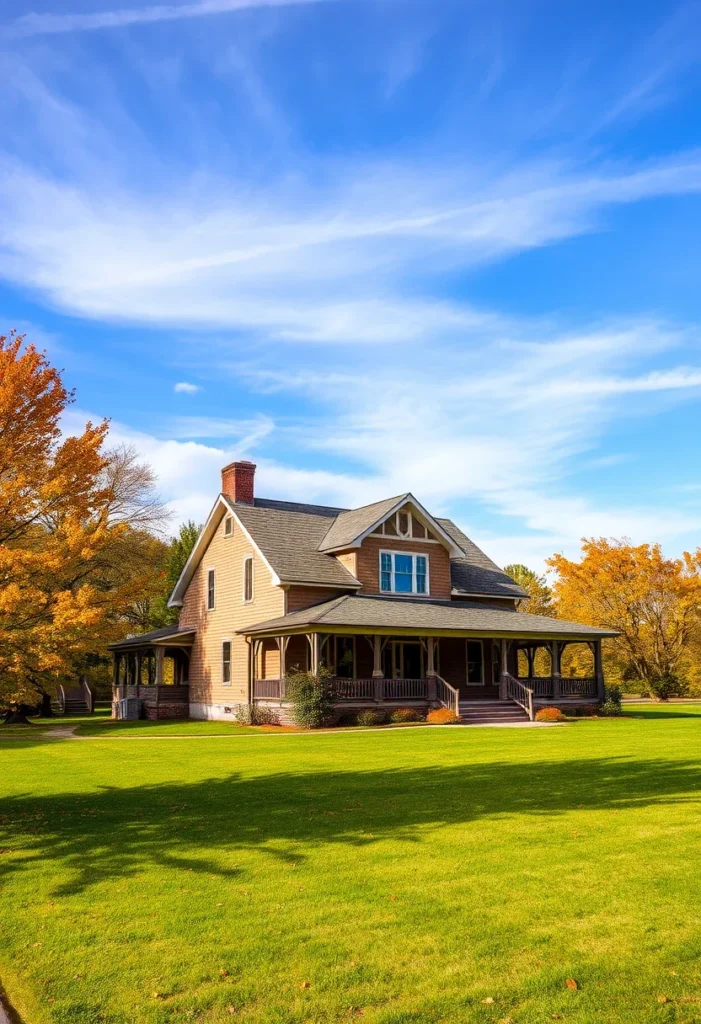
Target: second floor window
x=248 y=579
x=210 y=589
x=403 y=574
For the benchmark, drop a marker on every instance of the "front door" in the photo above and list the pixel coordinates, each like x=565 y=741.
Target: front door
x=406 y=660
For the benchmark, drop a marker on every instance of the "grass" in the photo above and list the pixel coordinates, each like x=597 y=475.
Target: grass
x=395 y=876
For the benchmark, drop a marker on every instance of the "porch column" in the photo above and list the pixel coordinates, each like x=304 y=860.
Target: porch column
x=599 y=671
x=249 y=670
x=555 y=653
x=160 y=654
x=504 y=670
x=377 y=673
x=282 y=647
x=432 y=690
x=314 y=643
x=530 y=654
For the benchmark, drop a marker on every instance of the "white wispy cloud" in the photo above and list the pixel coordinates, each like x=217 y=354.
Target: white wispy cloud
x=34 y=24
x=184 y=387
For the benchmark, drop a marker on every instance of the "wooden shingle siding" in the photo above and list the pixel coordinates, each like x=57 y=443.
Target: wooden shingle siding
x=368 y=564
x=225 y=555
x=305 y=597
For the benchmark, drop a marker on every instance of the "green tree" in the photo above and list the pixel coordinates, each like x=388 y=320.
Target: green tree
x=176 y=555
x=540 y=595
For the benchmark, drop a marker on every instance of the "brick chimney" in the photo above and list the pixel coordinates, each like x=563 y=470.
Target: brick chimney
x=237 y=481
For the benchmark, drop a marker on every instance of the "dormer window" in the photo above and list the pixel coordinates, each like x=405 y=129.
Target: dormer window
x=402 y=573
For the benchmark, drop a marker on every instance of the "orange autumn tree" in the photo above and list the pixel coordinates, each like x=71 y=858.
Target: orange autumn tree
x=59 y=534
x=654 y=602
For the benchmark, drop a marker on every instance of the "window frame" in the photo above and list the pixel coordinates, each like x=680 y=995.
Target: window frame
x=405 y=554
x=228 y=526
x=244 y=598
x=212 y=573
x=227 y=640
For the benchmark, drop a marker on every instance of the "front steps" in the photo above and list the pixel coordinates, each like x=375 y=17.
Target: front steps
x=492 y=712
x=76 y=707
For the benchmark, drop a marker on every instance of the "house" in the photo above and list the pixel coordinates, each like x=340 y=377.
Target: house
x=401 y=606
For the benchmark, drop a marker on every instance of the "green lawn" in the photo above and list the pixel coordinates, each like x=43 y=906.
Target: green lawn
x=396 y=876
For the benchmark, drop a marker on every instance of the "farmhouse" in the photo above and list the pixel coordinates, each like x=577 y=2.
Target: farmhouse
x=402 y=608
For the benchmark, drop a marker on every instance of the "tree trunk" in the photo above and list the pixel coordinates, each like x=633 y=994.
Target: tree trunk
x=18 y=715
x=45 y=709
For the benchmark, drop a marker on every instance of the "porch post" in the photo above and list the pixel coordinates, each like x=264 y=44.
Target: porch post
x=530 y=654
x=431 y=688
x=282 y=647
x=160 y=654
x=315 y=653
x=555 y=653
x=377 y=673
x=504 y=670
x=599 y=671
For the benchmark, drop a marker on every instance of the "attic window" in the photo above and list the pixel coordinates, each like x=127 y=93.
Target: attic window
x=403 y=524
x=229 y=526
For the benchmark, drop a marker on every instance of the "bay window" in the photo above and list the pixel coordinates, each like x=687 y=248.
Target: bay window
x=402 y=573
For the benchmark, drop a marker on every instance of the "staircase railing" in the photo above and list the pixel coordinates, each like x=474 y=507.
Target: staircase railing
x=88 y=695
x=448 y=695
x=521 y=694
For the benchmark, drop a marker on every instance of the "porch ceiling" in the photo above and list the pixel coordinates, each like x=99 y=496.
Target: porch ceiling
x=356 y=613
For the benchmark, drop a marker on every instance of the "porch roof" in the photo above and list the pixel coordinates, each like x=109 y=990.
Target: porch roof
x=161 y=637
x=358 y=613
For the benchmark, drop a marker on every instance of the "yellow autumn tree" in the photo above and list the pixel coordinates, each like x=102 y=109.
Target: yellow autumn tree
x=62 y=532
x=654 y=602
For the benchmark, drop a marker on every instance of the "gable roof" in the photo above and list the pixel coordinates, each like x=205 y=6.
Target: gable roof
x=292 y=538
x=350 y=528
x=386 y=613
x=476 y=573
x=289 y=539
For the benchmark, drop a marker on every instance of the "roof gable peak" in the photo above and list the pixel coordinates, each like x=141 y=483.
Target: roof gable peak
x=349 y=529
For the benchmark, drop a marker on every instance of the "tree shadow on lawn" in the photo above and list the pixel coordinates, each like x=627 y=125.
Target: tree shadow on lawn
x=116 y=832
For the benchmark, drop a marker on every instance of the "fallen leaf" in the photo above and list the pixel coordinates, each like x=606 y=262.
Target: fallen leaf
x=305 y=984
x=571 y=983
x=157 y=995
x=663 y=999
x=488 y=1001
x=223 y=971
x=231 y=1009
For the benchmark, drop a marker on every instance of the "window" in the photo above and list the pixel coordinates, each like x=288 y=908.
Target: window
x=210 y=589
x=226 y=661
x=403 y=574
x=403 y=524
x=345 y=657
x=248 y=578
x=229 y=526
x=475 y=670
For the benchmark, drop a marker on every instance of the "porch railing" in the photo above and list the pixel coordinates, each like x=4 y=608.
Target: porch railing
x=448 y=695
x=354 y=689
x=521 y=694
x=570 y=686
x=578 y=687
x=267 y=689
x=405 y=689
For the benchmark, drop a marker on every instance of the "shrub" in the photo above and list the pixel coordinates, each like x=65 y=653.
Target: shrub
x=256 y=714
x=550 y=715
x=370 y=717
x=442 y=716
x=587 y=710
x=406 y=715
x=668 y=685
x=612 y=703
x=311 y=698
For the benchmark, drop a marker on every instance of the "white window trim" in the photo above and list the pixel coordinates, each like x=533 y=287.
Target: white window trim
x=212 y=607
x=227 y=640
x=482 y=682
x=247 y=600
x=408 y=554
x=228 y=521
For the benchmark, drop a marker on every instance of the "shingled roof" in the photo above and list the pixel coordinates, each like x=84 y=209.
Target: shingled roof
x=295 y=540
x=386 y=613
x=476 y=573
x=289 y=536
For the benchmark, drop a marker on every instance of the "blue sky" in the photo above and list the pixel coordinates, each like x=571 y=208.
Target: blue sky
x=373 y=245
